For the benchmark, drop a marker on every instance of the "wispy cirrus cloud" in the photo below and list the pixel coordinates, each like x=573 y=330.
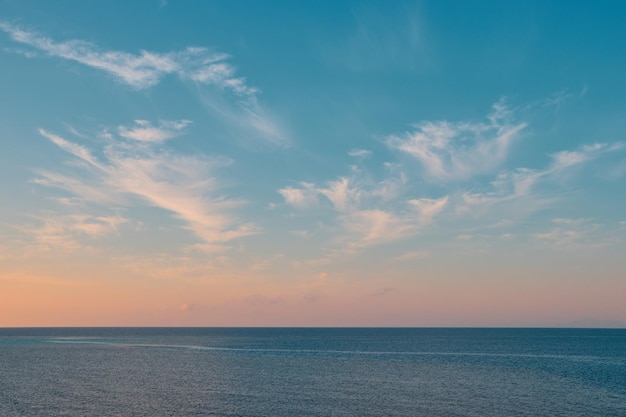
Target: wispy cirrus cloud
x=371 y=213
x=372 y=227
x=428 y=208
x=577 y=233
x=77 y=150
x=143 y=130
x=143 y=70
x=566 y=159
x=382 y=226
x=522 y=182
x=360 y=207
x=131 y=173
x=303 y=196
x=240 y=108
x=456 y=151
x=359 y=153
x=147 y=69
x=68 y=232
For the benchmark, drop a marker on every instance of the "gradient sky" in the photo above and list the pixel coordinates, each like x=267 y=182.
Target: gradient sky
x=266 y=163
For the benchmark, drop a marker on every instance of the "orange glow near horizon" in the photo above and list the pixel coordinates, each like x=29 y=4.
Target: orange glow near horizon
x=31 y=300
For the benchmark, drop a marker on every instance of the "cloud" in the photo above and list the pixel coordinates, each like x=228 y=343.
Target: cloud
x=82 y=190
x=568 y=233
x=303 y=197
x=143 y=130
x=142 y=70
x=341 y=194
x=359 y=153
x=248 y=120
x=373 y=227
x=566 y=159
x=427 y=208
x=346 y=192
x=367 y=212
x=358 y=203
x=67 y=232
x=508 y=186
x=146 y=69
x=132 y=173
x=451 y=151
x=522 y=183
x=77 y=150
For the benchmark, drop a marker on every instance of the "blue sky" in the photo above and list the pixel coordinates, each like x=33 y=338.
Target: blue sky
x=314 y=163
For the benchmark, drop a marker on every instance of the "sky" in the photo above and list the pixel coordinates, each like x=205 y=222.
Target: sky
x=314 y=163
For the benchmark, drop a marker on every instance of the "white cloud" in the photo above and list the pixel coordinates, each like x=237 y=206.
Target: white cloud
x=357 y=201
x=143 y=130
x=257 y=118
x=142 y=70
x=566 y=159
x=427 y=208
x=359 y=153
x=77 y=150
x=521 y=183
x=459 y=151
x=373 y=227
x=83 y=190
x=346 y=193
x=223 y=75
x=369 y=212
x=248 y=119
x=146 y=69
x=131 y=173
x=341 y=194
x=303 y=197
x=559 y=98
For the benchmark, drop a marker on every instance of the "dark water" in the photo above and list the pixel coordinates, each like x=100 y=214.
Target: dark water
x=312 y=372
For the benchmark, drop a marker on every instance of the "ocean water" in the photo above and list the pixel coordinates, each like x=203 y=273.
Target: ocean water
x=312 y=372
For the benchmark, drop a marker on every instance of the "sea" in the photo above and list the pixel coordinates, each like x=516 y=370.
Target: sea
x=285 y=372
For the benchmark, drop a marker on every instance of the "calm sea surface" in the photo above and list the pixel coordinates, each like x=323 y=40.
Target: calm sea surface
x=312 y=372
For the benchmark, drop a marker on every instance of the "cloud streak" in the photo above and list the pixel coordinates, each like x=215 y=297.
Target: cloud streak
x=569 y=233
x=143 y=70
x=456 y=151
x=147 y=69
x=143 y=130
x=371 y=213
x=132 y=173
x=522 y=182
x=68 y=231
x=359 y=206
